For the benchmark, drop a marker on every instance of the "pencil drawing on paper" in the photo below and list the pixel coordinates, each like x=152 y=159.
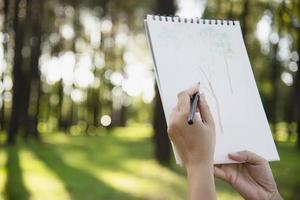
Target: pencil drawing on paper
x=223 y=49
x=220 y=52
x=219 y=46
x=212 y=92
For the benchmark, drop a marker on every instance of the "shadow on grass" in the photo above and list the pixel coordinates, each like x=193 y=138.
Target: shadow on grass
x=15 y=187
x=115 y=151
x=79 y=183
x=110 y=153
x=123 y=154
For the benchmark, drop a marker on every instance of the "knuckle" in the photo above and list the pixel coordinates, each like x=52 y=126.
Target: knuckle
x=175 y=124
x=246 y=153
x=213 y=126
x=205 y=107
x=230 y=178
x=183 y=115
x=180 y=94
x=173 y=114
x=173 y=128
x=170 y=131
x=212 y=123
x=264 y=160
x=261 y=159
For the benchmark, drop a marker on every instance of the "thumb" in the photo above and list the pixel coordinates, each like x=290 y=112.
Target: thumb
x=246 y=156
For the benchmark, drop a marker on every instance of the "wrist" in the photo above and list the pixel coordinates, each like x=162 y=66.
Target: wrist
x=201 y=180
x=193 y=168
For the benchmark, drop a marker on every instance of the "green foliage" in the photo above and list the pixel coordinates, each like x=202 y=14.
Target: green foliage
x=68 y=41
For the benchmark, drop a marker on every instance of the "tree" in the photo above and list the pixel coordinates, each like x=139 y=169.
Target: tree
x=5 y=30
x=276 y=70
x=161 y=140
x=18 y=26
x=244 y=17
x=296 y=105
x=296 y=95
x=34 y=80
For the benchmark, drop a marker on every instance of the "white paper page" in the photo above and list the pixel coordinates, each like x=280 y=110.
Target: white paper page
x=215 y=55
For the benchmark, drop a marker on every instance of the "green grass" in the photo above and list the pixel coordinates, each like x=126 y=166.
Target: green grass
x=287 y=171
x=115 y=165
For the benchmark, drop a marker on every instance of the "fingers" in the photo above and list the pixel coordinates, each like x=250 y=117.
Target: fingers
x=219 y=173
x=184 y=99
x=247 y=156
x=182 y=108
x=205 y=111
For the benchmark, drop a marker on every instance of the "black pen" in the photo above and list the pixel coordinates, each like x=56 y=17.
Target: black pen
x=194 y=101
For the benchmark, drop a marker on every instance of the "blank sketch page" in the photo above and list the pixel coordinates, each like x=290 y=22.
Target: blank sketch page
x=212 y=52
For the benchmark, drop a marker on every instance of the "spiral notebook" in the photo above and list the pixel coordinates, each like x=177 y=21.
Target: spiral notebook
x=186 y=51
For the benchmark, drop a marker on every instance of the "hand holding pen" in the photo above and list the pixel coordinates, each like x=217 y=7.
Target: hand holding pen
x=194 y=141
x=198 y=133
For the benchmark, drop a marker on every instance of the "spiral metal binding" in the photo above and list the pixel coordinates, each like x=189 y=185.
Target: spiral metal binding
x=196 y=20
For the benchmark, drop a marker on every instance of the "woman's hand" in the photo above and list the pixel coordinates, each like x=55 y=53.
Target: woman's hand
x=195 y=143
x=253 y=178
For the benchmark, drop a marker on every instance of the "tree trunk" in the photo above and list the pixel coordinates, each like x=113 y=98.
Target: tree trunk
x=5 y=30
x=2 y=112
x=27 y=76
x=275 y=82
x=18 y=26
x=296 y=102
x=60 y=105
x=123 y=116
x=244 y=18
x=230 y=15
x=275 y=74
x=296 y=96
x=34 y=74
x=161 y=140
x=96 y=107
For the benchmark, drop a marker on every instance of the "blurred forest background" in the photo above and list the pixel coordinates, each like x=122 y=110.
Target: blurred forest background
x=80 y=114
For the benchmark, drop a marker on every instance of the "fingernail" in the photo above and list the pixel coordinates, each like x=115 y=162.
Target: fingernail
x=234 y=154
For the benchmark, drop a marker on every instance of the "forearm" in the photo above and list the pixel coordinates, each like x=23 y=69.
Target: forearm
x=201 y=182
